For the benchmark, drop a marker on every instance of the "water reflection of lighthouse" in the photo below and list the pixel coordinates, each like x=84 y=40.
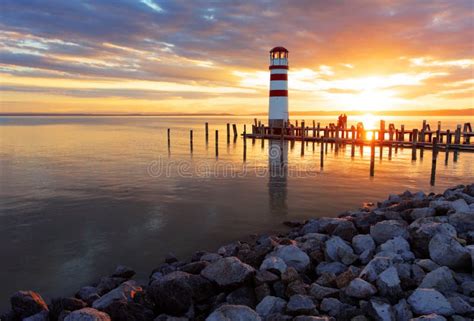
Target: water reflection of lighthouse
x=278 y=176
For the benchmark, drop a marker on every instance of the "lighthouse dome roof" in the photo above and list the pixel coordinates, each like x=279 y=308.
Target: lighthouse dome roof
x=279 y=49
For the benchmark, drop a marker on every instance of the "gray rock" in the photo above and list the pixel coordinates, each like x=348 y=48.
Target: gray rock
x=311 y=318
x=274 y=263
x=125 y=291
x=381 y=311
x=421 y=235
x=88 y=294
x=123 y=271
x=360 y=289
x=430 y=317
x=292 y=256
x=463 y=221
x=440 y=279
x=468 y=288
x=460 y=205
x=228 y=272
x=402 y=311
x=366 y=256
x=211 y=257
x=27 y=303
x=300 y=304
x=265 y=276
x=459 y=305
x=422 y=212
x=445 y=250
x=87 y=314
x=374 y=268
x=330 y=267
x=233 y=313
x=242 y=296
x=41 y=316
x=270 y=305
x=427 y=264
x=426 y=301
x=165 y=317
x=336 y=249
x=386 y=230
x=400 y=246
x=388 y=283
x=363 y=242
x=320 y=292
x=331 y=306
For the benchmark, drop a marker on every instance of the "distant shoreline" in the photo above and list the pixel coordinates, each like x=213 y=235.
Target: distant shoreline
x=440 y=112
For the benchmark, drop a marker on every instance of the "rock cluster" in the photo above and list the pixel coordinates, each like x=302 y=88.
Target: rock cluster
x=409 y=257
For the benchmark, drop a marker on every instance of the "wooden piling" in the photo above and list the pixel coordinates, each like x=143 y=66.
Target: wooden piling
x=433 y=161
x=302 y=138
x=207 y=132
x=322 y=153
x=217 y=143
x=382 y=130
x=372 y=155
x=169 y=139
x=191 y=140
x=457 y=141
x=402 y=133
x=245 y=143
x=353 y=144
x=234 y=127
x=422 y=139
x=228 y=133
x=317 y=129
x=446 y=147
x=414 y=143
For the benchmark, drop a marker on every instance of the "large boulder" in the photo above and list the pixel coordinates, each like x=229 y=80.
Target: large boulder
x=386 y=230
x=441 y=279
x=233 y=313
x=123 y=310
x=363 y=242
x=389 y=284
x=426 y=301
x=274 y=264
x=462 y=221
x=336 y=249
x=422 y=233
x=446 y=250
x=175 y=292
x=300 y=304
x=422 y=212
x=398 y=245
x=292 y=256
x=87 y=314
x=228 y=272
x=27 y=303
x=125 y=291
x=360 y=289
x=270 y=305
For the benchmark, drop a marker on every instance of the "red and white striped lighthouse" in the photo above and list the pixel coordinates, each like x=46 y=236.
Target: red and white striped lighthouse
x=278 y=106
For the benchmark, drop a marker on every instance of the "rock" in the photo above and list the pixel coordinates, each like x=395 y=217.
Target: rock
x=311 y=318
x=123 y=310
x=380 y=310
x=270 y=305
x=430 y=317
x=123 y=271
x=165 y=317
x=242 y=296
x=440 y=279
x=460 y=205
x=445 y=250
x=427 y=264
x=426 y=301
x=330 y=267
x=211 y=257
x=400 y=246
x=175 y=292
x=292 y=256
x=126 y=291
x=347 y=276
x=402 y=311
x=459 y=305
x=194 y=267
x=422 y=212
x=27 y=303
x=343 y=228
x=388 y=283
x=360 y=289
x=274 y=264
x=58 y=306
x=386 y=230
x=366 y=256
x=320 y=292
x=300 y=304
x=233 y=313
x=363 y=242
x=228 y=272
x=265 y=276
x=338 y=250
x=41 y=316
x=87 y=314
x=468 y=288
x=441 y=207
x=107 y=284
x=463 y=221
x=331 y=306
x=374 y=268
x=88 y=294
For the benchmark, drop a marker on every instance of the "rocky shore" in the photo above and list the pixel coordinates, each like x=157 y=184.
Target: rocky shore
x=409 y=257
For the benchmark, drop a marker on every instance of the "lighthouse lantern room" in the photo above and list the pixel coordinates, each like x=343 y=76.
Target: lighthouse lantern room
x=278 y=105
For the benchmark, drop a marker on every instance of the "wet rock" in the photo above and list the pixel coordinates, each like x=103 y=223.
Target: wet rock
x=446 y=250
x=402 y=311
x=270 y=305
x=389 y=284
x=360 y=289
x=87 y=314
x=320 y=292
x=426 y=301
x=300 y=304
x=376 y=266
x=107 y=284
x=27 y=303
x=126 y=291
x=194 y=267
x=336 y=249
x=381 y=310
x=274 y=264
x=123 y=271
x=233 y=313
x=292 y=256
x=440 y=279
x=57 y=306
x=123 y=310
x=88 y=294
x=386 y=230
x=363 y=242
x=175 y=292
x=228 y=272
x=242 y=296
x=330 y=267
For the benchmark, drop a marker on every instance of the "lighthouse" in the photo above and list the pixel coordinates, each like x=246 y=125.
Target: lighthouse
x=278 y=105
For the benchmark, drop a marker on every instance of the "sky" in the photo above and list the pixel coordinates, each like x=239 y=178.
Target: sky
x=181 y=56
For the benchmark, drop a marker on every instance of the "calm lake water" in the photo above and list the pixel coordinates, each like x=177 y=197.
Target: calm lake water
x=79 y=195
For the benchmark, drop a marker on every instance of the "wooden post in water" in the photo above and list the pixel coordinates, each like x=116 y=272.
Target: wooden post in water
x=353 y=143
x=336 y=139
x=422 y=139
x=191 y=140
x=457 y=141
x=396 y=140
x=325 y=135
x=413 y=143
x=448 y=141
x=314 y=128
x=433 y=161
x=317 y=129
x=245 y=143
x=207 y=132
x=217 y=143
x=372 y=155
x=228 y=133
x=438 y=133
x=169 y=139
x=322 y=153
x=382 y=130
x=302 y=138
x=402 y=133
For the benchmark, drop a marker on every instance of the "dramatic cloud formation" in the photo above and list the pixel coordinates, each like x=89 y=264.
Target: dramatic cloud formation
x=212 y=56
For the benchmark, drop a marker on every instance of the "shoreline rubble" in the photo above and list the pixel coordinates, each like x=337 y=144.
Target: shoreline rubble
x=410 y=257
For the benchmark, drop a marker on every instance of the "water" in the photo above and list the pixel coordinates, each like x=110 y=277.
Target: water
x=79 y=195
